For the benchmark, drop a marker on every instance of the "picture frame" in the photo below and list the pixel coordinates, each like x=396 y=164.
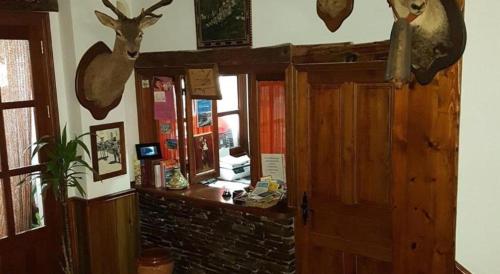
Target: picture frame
x=204 y=154
x=108 y=150
x=222 y=23
x=29 y=5
x=204 y=113
x=203 y=82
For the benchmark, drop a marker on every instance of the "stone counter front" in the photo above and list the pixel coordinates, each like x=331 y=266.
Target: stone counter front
x=211 y=239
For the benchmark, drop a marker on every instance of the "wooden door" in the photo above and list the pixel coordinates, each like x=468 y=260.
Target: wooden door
x=344 y=122
x=29 y=221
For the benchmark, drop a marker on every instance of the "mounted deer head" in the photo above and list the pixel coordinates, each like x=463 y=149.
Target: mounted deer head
x=102 y=74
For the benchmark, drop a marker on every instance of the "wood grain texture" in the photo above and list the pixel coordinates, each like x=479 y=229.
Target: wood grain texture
x=393 y=168
x=343 y=124
x=39 y=250
x=431 y=176
x=105 y=230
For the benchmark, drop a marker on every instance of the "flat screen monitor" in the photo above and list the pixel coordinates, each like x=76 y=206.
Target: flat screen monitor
x=148 y=151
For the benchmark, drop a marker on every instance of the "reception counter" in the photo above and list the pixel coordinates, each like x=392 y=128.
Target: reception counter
x=209 y=234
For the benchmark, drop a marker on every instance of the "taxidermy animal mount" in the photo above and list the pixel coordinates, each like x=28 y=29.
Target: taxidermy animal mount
x=102 y=73
x=334 y=12
x=437 y=33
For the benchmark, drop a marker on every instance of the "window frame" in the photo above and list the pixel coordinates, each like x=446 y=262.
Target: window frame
x=242 y=112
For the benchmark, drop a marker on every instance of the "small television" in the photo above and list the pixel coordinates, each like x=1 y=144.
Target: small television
x=150 y=151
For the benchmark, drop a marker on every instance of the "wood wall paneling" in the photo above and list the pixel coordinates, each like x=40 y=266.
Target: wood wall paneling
x=406 y=137
x=105 y=234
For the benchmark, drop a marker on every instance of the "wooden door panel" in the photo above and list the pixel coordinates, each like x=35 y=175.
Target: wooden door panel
x=373 y=126
x=348 y=176
x=325 y=125
x=333 y=261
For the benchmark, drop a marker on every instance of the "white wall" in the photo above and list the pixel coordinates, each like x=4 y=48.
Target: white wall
x=274 y=22
x=294 y=21
x=74 y=29
x=478 y=226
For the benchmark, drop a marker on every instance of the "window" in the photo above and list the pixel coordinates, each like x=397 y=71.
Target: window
x=231 y=114
x=19 y=127
x=209 y=131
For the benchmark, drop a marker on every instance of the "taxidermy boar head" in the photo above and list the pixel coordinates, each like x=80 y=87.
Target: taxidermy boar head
x=104 y=72
x=438 y=35
x=334 y=12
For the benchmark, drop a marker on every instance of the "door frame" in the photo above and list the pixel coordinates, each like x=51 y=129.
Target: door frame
x=38 y=26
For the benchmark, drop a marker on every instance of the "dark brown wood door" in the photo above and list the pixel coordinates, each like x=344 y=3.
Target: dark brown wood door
x=29 y=242
x=344 y=118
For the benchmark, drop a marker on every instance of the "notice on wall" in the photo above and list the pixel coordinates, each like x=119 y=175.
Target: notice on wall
x=274 y=165
x=164 y=101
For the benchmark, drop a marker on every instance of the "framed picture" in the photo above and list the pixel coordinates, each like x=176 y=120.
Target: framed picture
x=204 y=113
x=204 y=153
x=29 y=5
x=223 y=23
x=203 y=82
x=108 y=150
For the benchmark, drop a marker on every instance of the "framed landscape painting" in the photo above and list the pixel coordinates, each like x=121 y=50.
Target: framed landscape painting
x=223 y=23
x=108 y=150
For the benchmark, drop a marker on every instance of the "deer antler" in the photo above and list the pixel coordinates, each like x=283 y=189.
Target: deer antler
x=114 y=9
x=149 y=11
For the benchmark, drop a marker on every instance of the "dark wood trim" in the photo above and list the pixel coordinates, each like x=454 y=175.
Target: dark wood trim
x=460 y=269
x=243 y=111
x=290 y=110
x=95 y=157
x=180 y=125
x=18 y=104
x=340 y=53
x=227 y=113
x=40 y=5
x=253 y=123
x=210 y=196
x=35 y=27
x=225 y=58
x=96 y=227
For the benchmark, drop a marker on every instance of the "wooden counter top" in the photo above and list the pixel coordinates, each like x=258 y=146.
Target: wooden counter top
x=212 y=196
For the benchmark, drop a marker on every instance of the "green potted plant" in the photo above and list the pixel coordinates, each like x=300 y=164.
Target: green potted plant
x=64 y=168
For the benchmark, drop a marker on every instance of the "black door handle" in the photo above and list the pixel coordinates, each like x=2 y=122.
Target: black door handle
x=305 y=208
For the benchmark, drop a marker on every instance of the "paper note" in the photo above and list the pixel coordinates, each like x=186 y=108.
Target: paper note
x=163 y=98
x=274 y=165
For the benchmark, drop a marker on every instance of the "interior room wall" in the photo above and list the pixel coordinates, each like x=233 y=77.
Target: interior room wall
x=478 y=224
x=75 y=28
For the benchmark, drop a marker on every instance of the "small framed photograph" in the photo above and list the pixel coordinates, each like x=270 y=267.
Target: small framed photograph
x=108 y=150
x=203 y=82
x=204 y=113
x=223 y=23
x=204 y=153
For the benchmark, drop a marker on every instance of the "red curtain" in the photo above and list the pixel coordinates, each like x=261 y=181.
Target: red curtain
x=272 y=117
